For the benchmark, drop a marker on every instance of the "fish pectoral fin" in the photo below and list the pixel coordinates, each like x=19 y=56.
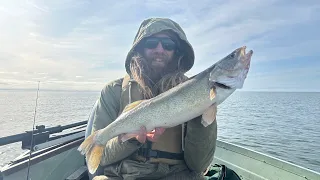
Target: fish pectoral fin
x=142 y=135
x=209 y=115
x=132 y=105
x=212 y=93
x=138 y=137
x=125 y=137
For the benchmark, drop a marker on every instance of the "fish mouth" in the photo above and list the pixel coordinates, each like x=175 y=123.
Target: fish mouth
x=242 y=50
x=243 y=53
x=235 y=76
x=246 y=56
x=241 y=56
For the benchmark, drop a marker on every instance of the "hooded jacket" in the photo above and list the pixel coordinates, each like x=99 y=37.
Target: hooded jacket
x=155 y=25
x=200 y=141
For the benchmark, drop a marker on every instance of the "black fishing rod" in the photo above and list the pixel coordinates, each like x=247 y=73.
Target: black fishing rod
x=34 y=121
x=38 y=132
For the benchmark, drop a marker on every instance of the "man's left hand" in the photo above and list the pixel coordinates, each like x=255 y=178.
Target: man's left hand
x=209 y=115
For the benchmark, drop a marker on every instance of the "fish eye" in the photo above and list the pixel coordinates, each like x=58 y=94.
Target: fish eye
x=232 y=54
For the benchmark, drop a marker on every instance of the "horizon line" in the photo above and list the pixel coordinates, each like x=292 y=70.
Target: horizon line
x=84 y=90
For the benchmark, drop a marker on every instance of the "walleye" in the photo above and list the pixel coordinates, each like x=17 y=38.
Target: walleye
x=178 y=105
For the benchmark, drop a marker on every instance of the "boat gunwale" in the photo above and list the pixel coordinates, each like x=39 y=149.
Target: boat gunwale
x=42 y=155
x=49 y=152
x=268 y=159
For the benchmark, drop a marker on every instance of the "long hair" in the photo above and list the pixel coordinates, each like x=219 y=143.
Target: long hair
x=152 y=84
x=141 y=73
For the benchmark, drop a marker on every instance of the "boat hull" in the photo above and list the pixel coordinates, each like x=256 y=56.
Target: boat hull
x=49 y=164
x=253 y=165
x=61 y=162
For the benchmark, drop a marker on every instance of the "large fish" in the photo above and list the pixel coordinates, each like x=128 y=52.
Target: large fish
x=178 y=105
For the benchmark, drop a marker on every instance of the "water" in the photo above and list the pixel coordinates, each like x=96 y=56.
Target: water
x=283 y=125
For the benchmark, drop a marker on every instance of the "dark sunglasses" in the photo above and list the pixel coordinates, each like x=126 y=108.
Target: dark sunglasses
x=166 y=43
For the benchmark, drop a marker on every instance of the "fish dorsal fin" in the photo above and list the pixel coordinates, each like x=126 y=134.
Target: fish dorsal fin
x=132 y=105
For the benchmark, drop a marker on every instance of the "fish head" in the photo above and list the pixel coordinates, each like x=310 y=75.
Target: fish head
x=231 y=71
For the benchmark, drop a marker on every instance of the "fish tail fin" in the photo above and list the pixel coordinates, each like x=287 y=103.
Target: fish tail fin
x=94 y=158
x=86 y=145
x=93 y=152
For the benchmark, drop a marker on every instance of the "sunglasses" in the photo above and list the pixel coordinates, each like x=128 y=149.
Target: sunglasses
x=166 y=43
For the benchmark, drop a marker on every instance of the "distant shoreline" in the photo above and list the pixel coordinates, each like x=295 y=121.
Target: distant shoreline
x=52 y=90
x=65 y=90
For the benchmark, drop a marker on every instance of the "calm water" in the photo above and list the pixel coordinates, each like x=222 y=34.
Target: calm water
x=284 y=125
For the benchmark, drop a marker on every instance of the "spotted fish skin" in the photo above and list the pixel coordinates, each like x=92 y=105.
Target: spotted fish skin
x=178 y=105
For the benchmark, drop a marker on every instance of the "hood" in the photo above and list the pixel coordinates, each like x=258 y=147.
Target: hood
x=155 y=25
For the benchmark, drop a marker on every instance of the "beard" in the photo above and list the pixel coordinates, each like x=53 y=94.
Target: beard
x=158 y=61
x=148 y=70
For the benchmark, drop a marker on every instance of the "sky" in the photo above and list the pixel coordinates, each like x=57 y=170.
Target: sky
x=82 y=44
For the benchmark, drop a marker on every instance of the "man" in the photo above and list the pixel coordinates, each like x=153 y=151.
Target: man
x=157 y=61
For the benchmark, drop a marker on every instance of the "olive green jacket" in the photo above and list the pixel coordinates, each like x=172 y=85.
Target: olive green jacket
x=200 y=141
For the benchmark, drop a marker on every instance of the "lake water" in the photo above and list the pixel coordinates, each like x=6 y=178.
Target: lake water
x=281 y=124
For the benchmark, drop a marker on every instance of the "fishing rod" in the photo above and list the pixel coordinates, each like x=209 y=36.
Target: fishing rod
x=34 y=121
x=41 y=134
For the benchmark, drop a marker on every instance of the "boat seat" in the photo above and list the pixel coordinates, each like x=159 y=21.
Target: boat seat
x=87 y=133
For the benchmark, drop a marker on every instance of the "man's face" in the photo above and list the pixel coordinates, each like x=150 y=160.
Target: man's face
x=159 y=54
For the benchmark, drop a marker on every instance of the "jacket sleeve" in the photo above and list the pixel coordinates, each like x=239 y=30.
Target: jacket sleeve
x=105 y=113
x=200 y=144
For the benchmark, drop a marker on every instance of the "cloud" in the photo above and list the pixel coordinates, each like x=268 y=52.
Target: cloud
x=225 y=27
x=290 y=79
x=83 y=44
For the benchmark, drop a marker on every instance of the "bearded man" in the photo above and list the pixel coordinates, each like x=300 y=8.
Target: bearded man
x=158 y=60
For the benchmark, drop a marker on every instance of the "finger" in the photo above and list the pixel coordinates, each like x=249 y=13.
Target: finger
x=141 y=138
x=155 y=134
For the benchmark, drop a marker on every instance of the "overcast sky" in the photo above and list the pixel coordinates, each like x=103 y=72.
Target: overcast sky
x=82 y=44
